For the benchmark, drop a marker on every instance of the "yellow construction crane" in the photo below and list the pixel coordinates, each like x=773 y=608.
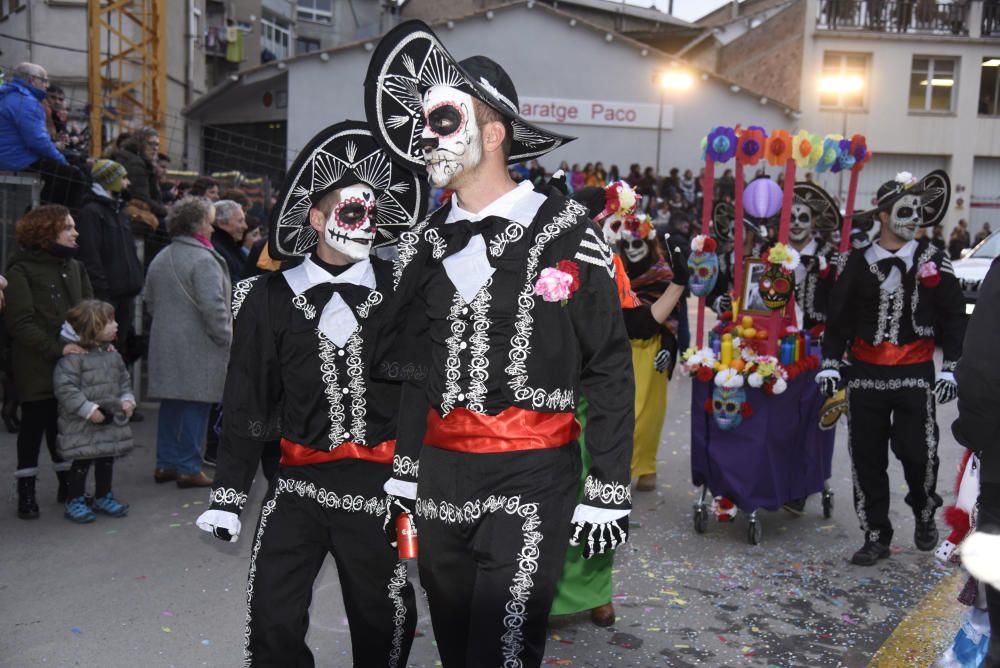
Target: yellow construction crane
x=127 y=67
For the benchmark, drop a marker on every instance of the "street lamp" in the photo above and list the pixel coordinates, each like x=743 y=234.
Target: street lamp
x=841 y=85
x=673 y=79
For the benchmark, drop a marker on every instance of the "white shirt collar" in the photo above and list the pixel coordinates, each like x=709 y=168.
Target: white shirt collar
x=809 y=248
x=875 y=253
x=520 y=205
x=309 y=274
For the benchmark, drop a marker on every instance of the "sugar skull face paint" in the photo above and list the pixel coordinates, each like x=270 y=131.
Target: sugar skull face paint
x=450 y=140
x=349 y=228
x=776 y=287
x=906 y=215
x=727 y=406
x=801 y=223
x=704 y=270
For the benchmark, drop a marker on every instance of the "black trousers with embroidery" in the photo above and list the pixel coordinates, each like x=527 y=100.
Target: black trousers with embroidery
x=493 y=532
x=311 y=511
x=892 y=408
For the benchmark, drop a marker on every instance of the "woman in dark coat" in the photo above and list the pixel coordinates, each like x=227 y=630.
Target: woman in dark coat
x=44 y=283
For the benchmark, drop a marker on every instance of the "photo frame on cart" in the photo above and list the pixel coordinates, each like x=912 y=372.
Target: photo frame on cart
x=751 y=303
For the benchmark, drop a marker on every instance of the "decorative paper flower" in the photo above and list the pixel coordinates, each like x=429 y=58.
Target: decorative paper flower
x=845 y=160
x=729 y=378
x=573 y=269
x=750 y=146
x=619 y=200
x=905 y=179
x=766 y=366
x=929 y=275
x=779 y=148
x=779 y=386
x=783 y=255
x=704 y=374
x=746 y=410
x=806 y=149
x=755 y=380
x=721 y=144
x=554 y=285
x=748 y=355
x=860 y=151
x=703 y=243
x=830 y=153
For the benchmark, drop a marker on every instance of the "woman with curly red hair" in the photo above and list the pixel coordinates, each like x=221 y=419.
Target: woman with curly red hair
x=44 y=282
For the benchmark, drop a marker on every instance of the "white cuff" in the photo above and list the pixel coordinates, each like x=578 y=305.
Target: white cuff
x=947 y=376
x=981 y=557
x=128 y=397
x=87 y=409
x=212 y=519
x=396 y=487
x=595 y=515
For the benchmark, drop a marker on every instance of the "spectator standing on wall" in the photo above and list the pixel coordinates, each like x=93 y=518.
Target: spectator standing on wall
x=138 y=156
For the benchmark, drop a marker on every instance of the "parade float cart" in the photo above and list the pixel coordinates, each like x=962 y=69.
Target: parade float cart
x=756 y=442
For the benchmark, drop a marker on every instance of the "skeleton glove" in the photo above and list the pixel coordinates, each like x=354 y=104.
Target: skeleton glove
x=723 y=303
x=945 y=389
x=599 y=538
x=662 y=360
x=828 y=381
x=222 y=524
x=394 y=507
x=679 y=266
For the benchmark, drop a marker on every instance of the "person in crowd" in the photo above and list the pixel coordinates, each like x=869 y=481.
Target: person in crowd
x=671 y=185
x=187 y=293
x=206 y=186
x=107 y=245
x=9 y=412
x=613 y=174
x=227 y=237
x=688 y=188
x=646 y=187
x=958 y=241
x=978 y=377
x=138 y=156
x=937 y=238
x=95 y=403
x=634 y=176
x=982 y=234
x=576 y=178
x=25 y=143
x=241 y=198
x=255 y=232
x=285 y=381
x=44 y=282
x=521 y=170
x=493 y=491
x=588 y=177
x=725 y=186
x=56 y=116
x=891 y=387
x=600 y=175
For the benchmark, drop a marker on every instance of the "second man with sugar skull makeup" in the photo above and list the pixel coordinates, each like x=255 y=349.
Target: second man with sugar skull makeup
x=509 y=300
x=299 y=371
x=890 y=303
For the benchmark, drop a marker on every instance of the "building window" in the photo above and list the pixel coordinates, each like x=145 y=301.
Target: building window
x=304 y=45
x=932 y=84
x=275 y=36
x=320 y=11
x=989 y=87
x=844 y=82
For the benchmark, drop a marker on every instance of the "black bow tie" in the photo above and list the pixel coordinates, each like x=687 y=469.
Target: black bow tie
x=353 y=295
x=457 y=235
x=885 y=266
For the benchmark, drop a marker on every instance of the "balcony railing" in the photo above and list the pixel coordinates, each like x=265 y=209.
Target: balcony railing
x=897 y=16
x=991 y=19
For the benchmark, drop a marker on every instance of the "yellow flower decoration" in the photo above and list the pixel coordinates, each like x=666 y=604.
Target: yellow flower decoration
x=778 y=254
x=806 y=149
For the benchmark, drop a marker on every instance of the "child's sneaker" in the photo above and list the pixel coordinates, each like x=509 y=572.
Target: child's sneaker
x=111 y=506
x=77 y=511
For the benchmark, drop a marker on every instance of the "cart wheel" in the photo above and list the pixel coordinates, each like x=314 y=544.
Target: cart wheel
x=754 y=532
x=827 y=505
x=700 y=519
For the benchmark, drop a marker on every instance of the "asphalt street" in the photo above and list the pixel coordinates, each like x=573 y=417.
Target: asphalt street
x=151 y=590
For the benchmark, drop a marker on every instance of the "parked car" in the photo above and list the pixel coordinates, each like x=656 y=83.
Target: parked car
x=971 y=269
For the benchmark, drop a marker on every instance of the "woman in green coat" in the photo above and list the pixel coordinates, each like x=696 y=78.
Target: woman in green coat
x=44 y=282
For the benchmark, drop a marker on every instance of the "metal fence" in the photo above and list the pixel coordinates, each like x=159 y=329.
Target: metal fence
x=898 y=16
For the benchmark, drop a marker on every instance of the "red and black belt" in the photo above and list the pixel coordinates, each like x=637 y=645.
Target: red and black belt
x=512 y=430
x=889 y=354
x=293 y=454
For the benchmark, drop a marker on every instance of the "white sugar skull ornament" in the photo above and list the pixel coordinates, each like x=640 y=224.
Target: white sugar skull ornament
x=451 y=141
x=349 y=228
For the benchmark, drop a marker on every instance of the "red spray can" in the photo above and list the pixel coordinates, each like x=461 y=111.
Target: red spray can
x=406 y=537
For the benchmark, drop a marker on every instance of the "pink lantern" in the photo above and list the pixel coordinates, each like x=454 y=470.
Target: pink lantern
x=762 y=198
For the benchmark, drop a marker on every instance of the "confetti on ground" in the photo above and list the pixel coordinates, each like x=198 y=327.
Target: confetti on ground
x=76 y=630
x=166 y=629
x=167 y=613
x=140 y=577
x=174 y=526
x=206 y=643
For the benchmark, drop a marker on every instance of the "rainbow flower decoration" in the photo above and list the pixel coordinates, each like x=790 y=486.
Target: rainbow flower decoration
x=806 y=149
x=830 y=153
x=860 y=151
x=844 y=158
x=721 y=144
x=779 y=148
x=750 y=147
x=785 y=256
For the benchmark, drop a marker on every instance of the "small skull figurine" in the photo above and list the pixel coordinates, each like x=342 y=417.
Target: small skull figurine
x=727 y=407
x=776 y=287
x=704 y=270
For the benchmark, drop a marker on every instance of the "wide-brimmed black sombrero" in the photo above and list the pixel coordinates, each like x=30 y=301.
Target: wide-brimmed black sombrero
x=934 y=191
x=409 y=60
x=723 y=217
x=339 y=156
x=825 y=212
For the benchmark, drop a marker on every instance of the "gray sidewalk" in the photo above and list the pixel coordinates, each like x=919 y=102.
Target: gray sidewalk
x=152 y=591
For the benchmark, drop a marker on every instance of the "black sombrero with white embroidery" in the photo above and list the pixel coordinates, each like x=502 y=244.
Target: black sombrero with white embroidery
x=934 y=191
x=409 y=60
x=825 y=212
x=339 y=156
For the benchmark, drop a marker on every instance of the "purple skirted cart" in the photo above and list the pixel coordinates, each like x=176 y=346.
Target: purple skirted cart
x=777 y=455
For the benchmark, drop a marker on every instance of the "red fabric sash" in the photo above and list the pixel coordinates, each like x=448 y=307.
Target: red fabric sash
x=514 y=429
x=889 y=354
x=293 y=454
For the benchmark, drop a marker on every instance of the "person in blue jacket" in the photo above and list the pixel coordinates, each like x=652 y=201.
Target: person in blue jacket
x=25 y=144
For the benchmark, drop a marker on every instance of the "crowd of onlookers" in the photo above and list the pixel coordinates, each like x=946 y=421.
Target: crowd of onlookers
x=71 y=314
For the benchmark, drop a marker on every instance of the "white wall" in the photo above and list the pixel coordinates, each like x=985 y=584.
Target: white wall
x=545 y=57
